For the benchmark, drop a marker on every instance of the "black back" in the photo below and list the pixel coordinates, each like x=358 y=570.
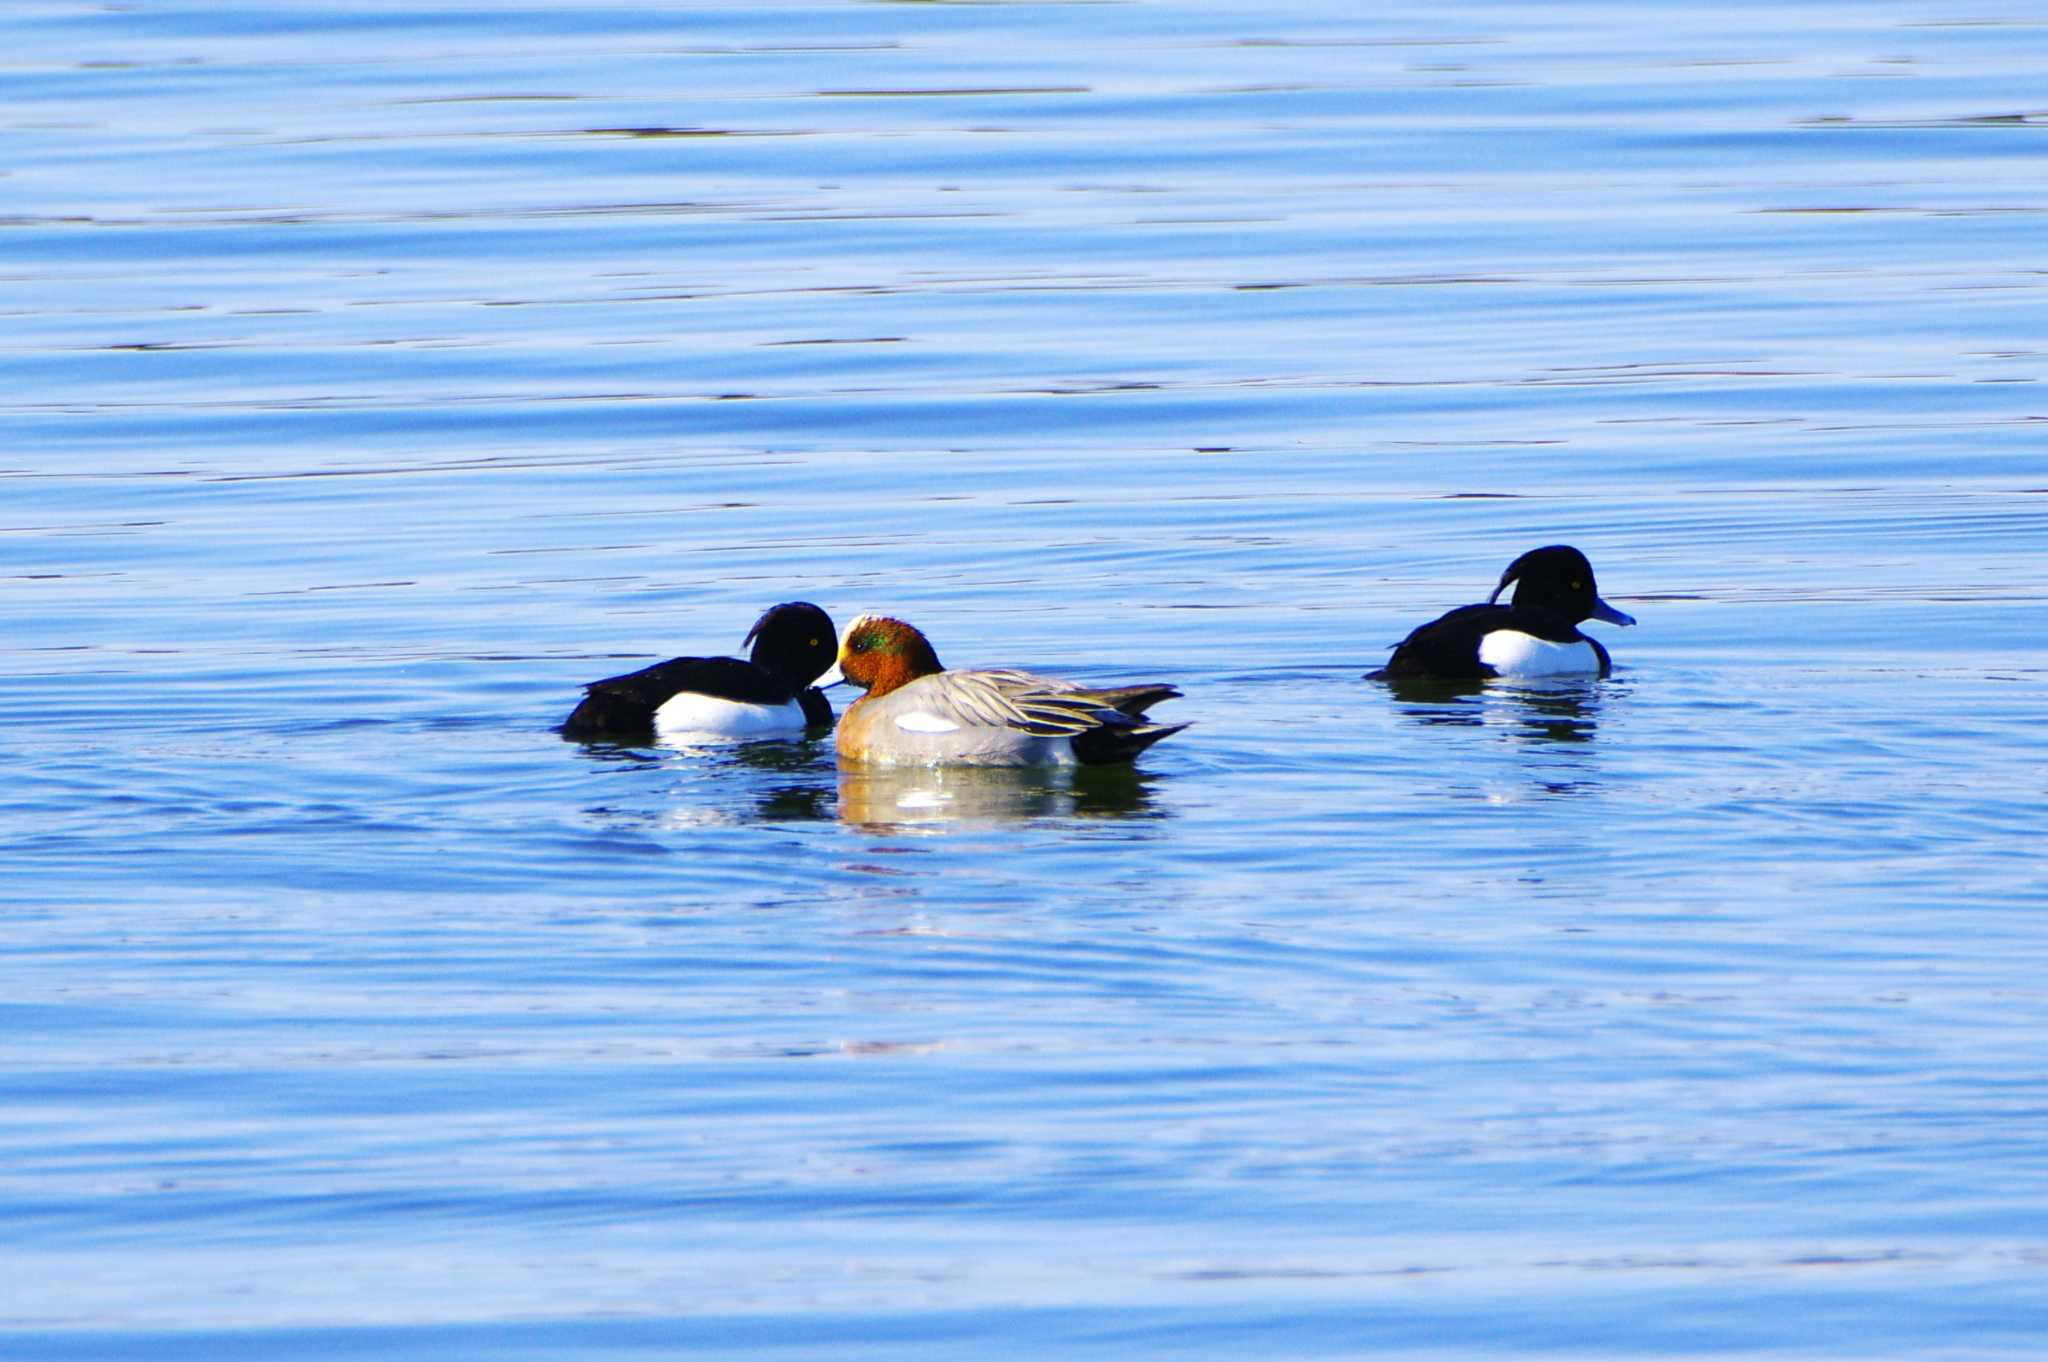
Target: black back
x=793 y=644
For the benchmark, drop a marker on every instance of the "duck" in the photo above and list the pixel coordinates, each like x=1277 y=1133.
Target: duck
x=918 y=713
x=687 y=700
x=1537 y=635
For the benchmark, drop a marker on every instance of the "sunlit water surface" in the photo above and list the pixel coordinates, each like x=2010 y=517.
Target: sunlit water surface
x=377 y=373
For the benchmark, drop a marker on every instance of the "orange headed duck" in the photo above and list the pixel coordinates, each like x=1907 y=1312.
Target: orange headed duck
x=917 y=713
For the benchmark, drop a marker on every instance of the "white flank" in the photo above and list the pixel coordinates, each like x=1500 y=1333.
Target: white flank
x=1511 y=652
x=690 y=717
x=917 y=721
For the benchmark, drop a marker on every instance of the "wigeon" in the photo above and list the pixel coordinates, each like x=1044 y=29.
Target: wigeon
x=916 y=713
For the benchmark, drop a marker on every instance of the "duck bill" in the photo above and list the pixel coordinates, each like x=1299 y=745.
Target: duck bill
x=834 y=676
x=1603 y=611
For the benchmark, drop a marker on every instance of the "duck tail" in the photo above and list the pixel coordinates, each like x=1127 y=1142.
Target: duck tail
x=607 y=710
x=1134 y=700
x=1119 y=742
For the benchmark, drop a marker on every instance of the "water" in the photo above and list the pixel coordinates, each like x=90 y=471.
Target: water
x=376 y=375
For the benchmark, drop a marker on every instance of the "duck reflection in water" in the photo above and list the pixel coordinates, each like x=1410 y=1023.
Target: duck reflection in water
x=1563 y=711
x=1549 y=724
x=968 y=795
x=756 y=782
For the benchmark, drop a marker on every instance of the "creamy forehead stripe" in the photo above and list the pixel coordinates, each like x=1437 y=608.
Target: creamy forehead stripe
x=865 y=617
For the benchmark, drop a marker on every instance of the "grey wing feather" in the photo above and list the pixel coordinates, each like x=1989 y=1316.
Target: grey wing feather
x=1040 y=706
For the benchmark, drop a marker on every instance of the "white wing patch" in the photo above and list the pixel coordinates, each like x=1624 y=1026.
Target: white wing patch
x=1510 y=652
x=919 y=721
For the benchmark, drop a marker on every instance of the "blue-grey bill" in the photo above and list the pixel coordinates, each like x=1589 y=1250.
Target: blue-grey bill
x=1603 y=611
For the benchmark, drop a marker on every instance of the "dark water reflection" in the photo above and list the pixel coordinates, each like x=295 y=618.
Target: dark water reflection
x=1565 y=711
x=1550 y=725
x=758 y=782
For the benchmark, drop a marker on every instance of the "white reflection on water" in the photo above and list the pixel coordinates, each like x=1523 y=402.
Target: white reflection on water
x=921 y=797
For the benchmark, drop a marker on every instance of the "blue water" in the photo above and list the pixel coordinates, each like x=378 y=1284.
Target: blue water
x=376 y=375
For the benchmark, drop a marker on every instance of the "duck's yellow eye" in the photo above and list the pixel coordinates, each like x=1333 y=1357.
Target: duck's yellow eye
x=1578 y=586
x=814 y=643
